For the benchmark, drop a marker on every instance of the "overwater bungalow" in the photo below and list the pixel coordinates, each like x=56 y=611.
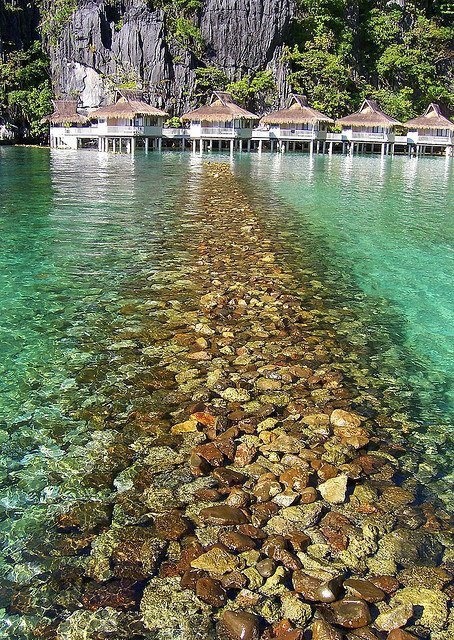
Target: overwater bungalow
x=367 y=128
x=65 y=125
x=297 y=123
x=221 y=120
x=431 y=132
x=125 y=121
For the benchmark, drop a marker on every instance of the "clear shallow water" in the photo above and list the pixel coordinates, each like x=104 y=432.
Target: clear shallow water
x=386 y=228
x=82 y=236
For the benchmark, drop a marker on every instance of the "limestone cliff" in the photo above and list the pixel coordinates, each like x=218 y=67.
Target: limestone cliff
x=106 y=43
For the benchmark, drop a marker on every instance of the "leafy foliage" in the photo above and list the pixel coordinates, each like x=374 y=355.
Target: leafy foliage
x=180 y=20
x=25 y=89
x=54 y=16
x=342 y=50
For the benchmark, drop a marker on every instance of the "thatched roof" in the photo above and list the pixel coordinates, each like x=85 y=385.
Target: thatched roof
x=370 y=115
x=65 y=112
x=432 y=118
x=221 y=109
x=128 y=104
x=296 y=112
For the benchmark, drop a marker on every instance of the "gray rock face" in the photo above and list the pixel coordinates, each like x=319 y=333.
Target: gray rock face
x=104 y=44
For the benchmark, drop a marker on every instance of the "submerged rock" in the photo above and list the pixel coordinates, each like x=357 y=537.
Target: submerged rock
x=223 y=515
x=217 y=561
x=431 y=607
x=394 y=618
x=334 y=490
x=351 y=614
x=238 y=625
x=166 y=608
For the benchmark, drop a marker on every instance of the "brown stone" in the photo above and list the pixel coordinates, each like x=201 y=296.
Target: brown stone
x=340 y=418
x=204 y=418
x=238 y=498
x=238 y=625
x=299 y=541
x=351 y=614
x=286 y=558
x=336 y=527
x=226 y=446
x=306 y=585
x=171 y=525
x=234 y=580
x=118 y=594
x=356 y=437
x=370 y=464
x=223 y=515
x=189 y=579
x=208 y=495
x=321 y=630
x=327 y=471
x=188 y=554
x=237 y=542
x=210 y=453
x=245 y=454
x=365 y=590
x=199 y=466
x=253 y=532
x=308 y=495
x=388 y=584
x=397 y=496
x=265 y=490
x=228 y=477
x=284 y=630
x=263 y=512
x=211 y=592
x=295 y=479
x=266 y=567
x=365 y=633
x=330 y=590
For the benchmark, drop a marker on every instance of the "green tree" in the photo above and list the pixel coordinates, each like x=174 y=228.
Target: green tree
x=25 y=89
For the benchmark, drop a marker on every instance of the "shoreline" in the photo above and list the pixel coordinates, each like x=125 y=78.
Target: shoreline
x=248 y=497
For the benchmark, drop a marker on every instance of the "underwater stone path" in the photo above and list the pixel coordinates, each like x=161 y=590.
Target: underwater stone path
x=250 y=501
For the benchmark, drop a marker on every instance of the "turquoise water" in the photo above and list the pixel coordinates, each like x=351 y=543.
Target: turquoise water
x=85 y=239
x=385 y=227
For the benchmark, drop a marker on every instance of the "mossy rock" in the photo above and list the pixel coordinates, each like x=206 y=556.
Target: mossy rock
x=173 y=612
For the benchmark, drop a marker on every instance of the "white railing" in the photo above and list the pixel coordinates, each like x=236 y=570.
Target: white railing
x=219 y=131
x=260 y=134
x=295 y=133
x=335 y=137
x=88 y=132
x=370 y=135
x=95 y=131
x=170 y=132
x=434 y=140
x=130 y=131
